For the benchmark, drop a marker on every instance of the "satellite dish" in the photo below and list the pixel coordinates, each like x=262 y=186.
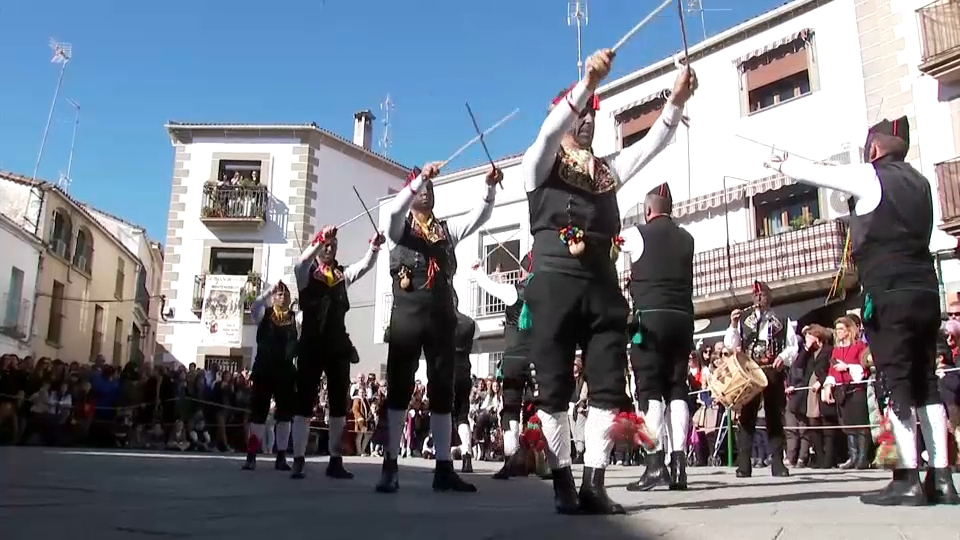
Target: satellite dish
x=700 y=325
x=839 y=202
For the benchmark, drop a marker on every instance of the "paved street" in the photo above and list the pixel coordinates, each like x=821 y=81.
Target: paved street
x=49 y=493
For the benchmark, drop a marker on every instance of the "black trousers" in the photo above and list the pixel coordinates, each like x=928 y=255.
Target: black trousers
x=660 y=361
x=517 y=378
x=567 y=311
x=415 y=330
x=902 y=332
x=462 y=386
x=276 y=381
x=328 y=355
x=774 y=402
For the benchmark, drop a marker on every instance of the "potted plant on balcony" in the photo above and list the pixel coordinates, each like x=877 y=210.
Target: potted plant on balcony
x=800 y=222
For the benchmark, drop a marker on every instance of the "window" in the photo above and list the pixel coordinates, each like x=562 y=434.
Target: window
x=633 y=215
x=96 y=341
x=55 y=323
x=136 y=355
x=62 y=233
x=781 y=74
x=121 y=278
x=786 y=209
x=494 y=360
x=635 y=123
x=118 y=342
x=239 y=172
x=231 y=261
x=83 y=251
x=14 y=302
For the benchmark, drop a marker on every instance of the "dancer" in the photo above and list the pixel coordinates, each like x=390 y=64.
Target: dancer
x=891 y=221
x=423 y=319
x=325 y=346
x=574 y=297
x=466 y=331
x=772 y=344
x=661 y=286
x=274 y=373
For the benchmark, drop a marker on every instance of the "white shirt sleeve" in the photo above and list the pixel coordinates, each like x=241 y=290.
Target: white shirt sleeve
x=358 y=269
x=789 y=352
x=731 y=338
x=538 y=160
x=859 y=180
x=505 y=292
x=628 y=162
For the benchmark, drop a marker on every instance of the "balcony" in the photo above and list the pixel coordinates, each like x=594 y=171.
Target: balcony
x=248 y=294
x=940 y=40
x=485 y=305
x=142 y=303
x=234 y=206
x=16 y=315
x=799 y=262
x=948 y=191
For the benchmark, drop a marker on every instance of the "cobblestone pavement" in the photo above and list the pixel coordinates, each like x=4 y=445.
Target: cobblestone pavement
x=49 y=493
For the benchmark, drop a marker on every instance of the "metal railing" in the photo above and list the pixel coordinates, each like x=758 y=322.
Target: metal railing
x=248 y=294
x=143 y=300
x=948 y=189
x=485 y=304
x=387 y=310
x=234 y=202
x=16 y=314
x=939 y=29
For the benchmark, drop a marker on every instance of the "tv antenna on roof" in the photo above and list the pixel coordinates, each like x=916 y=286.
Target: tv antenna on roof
x=385 y=140
x=62 y=54
x=67 y=178
x=577 y=14
x=697 y=6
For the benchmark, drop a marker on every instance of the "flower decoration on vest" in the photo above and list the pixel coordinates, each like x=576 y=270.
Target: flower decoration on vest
x=572 y=236
x=616 y=245
x=532 y=438
x=630 y=428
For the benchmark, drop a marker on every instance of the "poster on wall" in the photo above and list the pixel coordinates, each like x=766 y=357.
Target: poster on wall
x=222 y=316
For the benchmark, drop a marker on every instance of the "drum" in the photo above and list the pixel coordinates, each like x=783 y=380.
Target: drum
x=737 y=380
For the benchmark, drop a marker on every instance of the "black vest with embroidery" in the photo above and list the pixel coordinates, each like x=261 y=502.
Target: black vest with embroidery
x=662 y=278
x=891 y=245
x=570 y=196
x=758 y=342
x=431 y=266
x=276 y=341
x=324 y=307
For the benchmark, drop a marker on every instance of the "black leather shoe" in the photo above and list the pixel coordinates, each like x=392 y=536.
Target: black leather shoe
x=389 y=476
x=466 y=464
x=251 y=463
x=903 y=490
x=593 y=494
x=281 y=463
x=298 y=465
x=938 y=487
x=565 y=497
x=678 y=471
x=515 y=465
x=335 y=469
x=445 y=478
x=656 y=473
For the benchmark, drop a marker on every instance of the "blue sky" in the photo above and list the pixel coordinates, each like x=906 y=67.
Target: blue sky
x=139 y=64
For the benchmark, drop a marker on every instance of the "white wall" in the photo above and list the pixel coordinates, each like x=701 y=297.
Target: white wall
x=24 y=254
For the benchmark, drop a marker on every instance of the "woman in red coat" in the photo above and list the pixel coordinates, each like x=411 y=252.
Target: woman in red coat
x=844 y=386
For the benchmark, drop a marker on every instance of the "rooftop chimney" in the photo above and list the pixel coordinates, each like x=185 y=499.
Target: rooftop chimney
x=363 y=129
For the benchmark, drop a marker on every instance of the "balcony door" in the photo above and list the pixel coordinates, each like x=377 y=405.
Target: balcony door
x=231 y=261
x=11 y=317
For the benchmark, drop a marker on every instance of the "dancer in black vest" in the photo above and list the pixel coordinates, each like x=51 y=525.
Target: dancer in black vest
x=891 y=221
x=661 y=285
x=772 y=344
x=274 y=373
x=325 y=346
x=574 y=296
x=465 y=333
x=423 y=319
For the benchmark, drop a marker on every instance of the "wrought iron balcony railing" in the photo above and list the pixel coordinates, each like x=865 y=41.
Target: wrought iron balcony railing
x=939 y=29
x=234 y=203
x=483 y=304
x=948 y=191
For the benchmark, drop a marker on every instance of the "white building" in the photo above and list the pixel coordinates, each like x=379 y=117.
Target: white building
x=805 y=78
x=18 y=286
x=295 y=179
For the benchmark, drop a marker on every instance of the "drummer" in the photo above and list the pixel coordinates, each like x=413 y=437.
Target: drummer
x=771 y=342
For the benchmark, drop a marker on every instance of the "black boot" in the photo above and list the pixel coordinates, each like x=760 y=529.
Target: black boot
x=678 y=471
x=335 y=469
x=863 y=452
x=565 y=498
x=656 y=473
x=515 y=465
x=389 y=476
x=281 y=463
x=466 y=465
x=744 y=448
x=251 y=462
x=593 y=494
x=938 y=487
x=298 y=464
x=851 y=461
x=903 y=490
x=445 y=478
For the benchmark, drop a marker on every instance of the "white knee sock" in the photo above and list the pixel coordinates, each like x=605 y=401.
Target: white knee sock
x=653 y=418
x=679 y=425
x=335 y=437
x=440 y=427
x=301 y=435
x=598 y=443
x=396 y=420
x=933 y=426
x=905 y=433
x=556 y=430
x=256 y=433
x=466 y=441
x=283 y=436
x=511 y=438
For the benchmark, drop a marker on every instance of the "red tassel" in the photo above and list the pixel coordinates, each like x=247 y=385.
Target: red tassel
x=532 y=437
x=253 y=444
x=630 y=428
